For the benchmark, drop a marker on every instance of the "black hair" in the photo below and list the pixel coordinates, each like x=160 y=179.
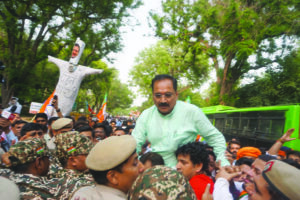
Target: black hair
x=41 y=115
x=100 y=176
x=213 y=154
x=234 y=142
x=296 y=153
x=77 y=45
x=208 y=147
x=52 y=119
x=30 y=127
x=105 y=128
x=18 y=122
x=44 y=128
x=244 y=161
x=163 y=77
x=153 y=157
x=86 y=128
x=80 y=123
x=119 y=128
x=130 y=127
x=197 y=152
x=82 y=118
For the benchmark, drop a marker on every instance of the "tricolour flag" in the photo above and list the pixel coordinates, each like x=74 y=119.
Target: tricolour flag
x=102 y=112
x=47 y=102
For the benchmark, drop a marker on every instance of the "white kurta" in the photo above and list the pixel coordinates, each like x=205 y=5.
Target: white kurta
x=69 y=83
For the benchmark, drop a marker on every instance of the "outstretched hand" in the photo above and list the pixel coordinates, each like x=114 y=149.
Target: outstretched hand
x=287 y=136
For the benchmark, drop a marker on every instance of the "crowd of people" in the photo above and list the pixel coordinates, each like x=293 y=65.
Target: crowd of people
x=155 y=157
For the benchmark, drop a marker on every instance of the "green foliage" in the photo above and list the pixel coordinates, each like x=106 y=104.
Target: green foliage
x=229 y=31
x=119 y=96
x=32 y=30
x=163 y=58
x=278 y=86
x=94 y=88
x=195 y=97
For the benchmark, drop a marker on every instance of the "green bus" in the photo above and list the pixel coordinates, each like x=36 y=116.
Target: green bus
x=256 y=126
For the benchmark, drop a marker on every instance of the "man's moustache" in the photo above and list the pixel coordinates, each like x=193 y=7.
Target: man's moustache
x=163 y=104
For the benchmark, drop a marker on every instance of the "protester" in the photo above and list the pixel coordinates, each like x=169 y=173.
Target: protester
x=119 y=131
x=16 y=128
x=87 y=131
x=5 y=138
x=41 y=118
x=49 y=137
x=294 y=155
x=101 y=132
x=171 y=123
x=31 y=130
x=233 y=147
x=193 y=163
x=249 y=152
x=151 y=159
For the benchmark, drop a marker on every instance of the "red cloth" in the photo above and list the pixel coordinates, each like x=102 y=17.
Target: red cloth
x=199 y=183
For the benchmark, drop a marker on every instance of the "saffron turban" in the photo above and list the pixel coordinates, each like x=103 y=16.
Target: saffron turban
x=248 y=152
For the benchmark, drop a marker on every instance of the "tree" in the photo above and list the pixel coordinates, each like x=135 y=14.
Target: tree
x=229 y=32
x=163 y=58
x=119 y=96
x=31 y=30
x=277 y=86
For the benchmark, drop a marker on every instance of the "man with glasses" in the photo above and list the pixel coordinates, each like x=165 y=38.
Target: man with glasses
x=171 y=123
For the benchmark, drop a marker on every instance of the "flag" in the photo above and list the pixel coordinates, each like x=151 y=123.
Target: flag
x=89 y=108
x=47 y=102
x=102 y=112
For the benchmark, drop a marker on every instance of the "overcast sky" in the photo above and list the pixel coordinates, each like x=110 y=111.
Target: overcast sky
x=135 y=39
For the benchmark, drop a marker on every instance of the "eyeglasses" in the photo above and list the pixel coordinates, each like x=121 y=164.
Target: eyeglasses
x=167 y=95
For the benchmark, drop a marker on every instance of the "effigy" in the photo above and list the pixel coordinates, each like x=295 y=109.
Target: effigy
x=70 y=78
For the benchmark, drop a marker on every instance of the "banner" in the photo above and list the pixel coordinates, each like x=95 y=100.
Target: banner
x=35 y=107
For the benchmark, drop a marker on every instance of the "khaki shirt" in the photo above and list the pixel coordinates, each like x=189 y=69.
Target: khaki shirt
x=100 y=192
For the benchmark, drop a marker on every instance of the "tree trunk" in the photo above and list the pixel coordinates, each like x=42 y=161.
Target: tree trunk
x=6 y=93
x=225 y=85
x=216 y=66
